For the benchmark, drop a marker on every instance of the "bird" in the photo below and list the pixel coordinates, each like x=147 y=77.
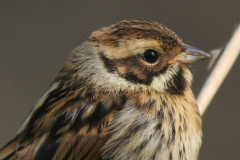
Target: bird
x=123 y=94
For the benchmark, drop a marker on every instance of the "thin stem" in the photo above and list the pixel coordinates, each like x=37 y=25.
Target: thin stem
x=219 y=72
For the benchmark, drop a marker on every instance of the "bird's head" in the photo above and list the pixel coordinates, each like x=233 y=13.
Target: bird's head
x=137 y=55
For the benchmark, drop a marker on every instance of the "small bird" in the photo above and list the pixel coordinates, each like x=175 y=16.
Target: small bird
x=124 y=94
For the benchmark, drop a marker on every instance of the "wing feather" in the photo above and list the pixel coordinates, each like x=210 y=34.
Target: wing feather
x=70 y=127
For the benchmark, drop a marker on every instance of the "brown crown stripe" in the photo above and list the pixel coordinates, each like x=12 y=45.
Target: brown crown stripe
x=139 y=29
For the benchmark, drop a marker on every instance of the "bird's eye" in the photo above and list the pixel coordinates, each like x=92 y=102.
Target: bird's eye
x=150 y=56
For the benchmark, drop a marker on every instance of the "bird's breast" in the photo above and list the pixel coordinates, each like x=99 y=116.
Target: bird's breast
x=155 y=127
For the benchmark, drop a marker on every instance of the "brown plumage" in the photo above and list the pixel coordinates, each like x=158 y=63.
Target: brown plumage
x=125 y=93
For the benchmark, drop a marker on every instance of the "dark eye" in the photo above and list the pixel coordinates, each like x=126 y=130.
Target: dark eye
x=150 y=56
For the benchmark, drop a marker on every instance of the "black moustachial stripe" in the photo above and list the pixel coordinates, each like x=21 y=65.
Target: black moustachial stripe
x=178 y=84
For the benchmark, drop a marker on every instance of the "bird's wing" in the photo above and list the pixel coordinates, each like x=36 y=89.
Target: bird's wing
x=64 y=125
x=9 y=148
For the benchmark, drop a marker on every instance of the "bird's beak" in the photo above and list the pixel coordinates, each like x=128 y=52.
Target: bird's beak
x=189 y=55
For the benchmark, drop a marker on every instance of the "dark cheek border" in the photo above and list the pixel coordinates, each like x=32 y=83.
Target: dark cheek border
x=144 y=76
x=108 y=64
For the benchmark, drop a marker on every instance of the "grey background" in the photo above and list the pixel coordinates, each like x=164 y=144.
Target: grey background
x=36 y=37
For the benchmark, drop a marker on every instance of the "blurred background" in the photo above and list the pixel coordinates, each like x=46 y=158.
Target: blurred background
x=37 y=36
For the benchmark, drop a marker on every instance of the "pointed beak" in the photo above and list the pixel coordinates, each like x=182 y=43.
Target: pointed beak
x=190 y=55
